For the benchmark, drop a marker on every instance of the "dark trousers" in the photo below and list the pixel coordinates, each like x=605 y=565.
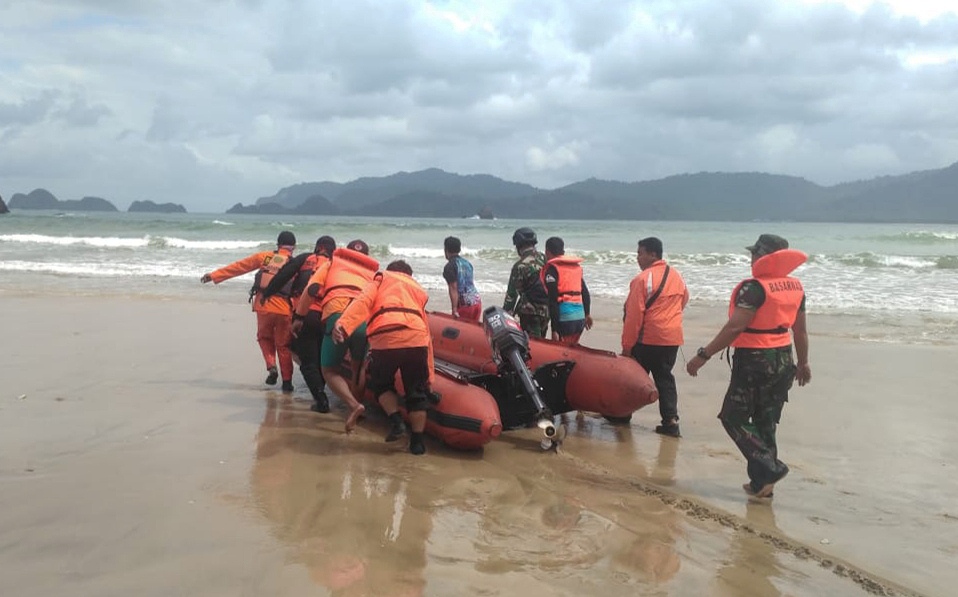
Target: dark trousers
x=308 y=346
x=534 y=325
x=658 y=362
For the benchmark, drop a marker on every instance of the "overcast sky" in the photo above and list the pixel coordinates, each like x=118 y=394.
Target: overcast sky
x=208 y=102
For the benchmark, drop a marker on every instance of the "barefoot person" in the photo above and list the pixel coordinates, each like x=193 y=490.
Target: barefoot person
x=766 y=312
x=335 y=284
x=395 y=306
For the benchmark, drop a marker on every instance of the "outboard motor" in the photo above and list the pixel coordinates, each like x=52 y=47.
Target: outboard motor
x=510 y=351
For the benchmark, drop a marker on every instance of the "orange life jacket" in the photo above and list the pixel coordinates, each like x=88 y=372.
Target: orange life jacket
x=301 y=280
x=349 y=272
x=306 y=270
x=271 y=265
x=570 y=277
x=783 y=298
x=400 y=303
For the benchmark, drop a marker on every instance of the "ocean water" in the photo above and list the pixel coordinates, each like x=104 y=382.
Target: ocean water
x=899 y=281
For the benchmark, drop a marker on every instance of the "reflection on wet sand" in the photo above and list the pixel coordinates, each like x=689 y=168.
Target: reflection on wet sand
x=752 y=565
x=360 y=517
x=363 y=518
x=358 y=530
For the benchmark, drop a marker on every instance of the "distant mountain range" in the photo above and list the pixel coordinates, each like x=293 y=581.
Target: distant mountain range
x=44 y=199
x=925 y=196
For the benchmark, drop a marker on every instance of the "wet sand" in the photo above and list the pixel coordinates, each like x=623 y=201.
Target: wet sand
x=140 y=453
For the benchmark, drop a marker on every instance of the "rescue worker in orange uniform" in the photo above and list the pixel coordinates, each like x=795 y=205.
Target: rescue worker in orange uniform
x=395 y=306
x=308 y=343
x=273 y=315
x=334 y=285
x=766 y=313
x=652 y=326
x=569 y=301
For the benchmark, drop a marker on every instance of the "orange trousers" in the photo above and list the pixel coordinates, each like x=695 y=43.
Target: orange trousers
x=273 y=335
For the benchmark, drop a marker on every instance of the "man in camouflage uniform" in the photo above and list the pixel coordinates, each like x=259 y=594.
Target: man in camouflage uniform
x=763 y=370
x=526 y=296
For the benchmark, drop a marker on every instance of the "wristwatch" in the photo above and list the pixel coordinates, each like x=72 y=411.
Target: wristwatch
x=702 y=354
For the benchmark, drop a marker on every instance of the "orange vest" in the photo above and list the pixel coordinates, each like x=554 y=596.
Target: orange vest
x=783 y=298
x=570 y=277
x=301 y=281
x=400 y=304
x=302 y=276
x=271 y=265
x=348 y=272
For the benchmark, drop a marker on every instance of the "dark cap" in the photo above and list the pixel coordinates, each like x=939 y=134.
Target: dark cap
x=768 y=243
x=286 y=238
x=358 y=246
x=325 y=244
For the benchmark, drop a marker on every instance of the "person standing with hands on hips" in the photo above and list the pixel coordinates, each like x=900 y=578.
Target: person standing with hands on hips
x=766 y=313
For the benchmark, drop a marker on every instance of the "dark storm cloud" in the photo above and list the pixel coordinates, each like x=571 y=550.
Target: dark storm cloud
x=220 y=101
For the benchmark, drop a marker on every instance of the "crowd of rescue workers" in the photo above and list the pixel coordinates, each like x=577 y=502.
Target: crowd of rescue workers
x=332 y=302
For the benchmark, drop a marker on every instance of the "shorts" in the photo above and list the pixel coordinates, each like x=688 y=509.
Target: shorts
x=570 y=328
x=470 y=312
x=332 y=354
x=411 y=362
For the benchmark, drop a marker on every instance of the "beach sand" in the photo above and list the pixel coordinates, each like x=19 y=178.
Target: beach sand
x=140 y=453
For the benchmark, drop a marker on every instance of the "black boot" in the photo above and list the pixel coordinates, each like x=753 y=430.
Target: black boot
x=416 y=444
x=397 y=428
x=669 y=428
x=320 y=404
x=272 y=376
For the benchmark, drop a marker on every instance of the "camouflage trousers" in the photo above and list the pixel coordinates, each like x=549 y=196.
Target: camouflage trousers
x=753 y=406
x=534 y=325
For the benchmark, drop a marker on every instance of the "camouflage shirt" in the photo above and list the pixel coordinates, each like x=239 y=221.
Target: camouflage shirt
x=526 y=294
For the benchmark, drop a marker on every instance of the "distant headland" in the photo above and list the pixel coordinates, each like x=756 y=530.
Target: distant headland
x=924 y=196
x=44 y=199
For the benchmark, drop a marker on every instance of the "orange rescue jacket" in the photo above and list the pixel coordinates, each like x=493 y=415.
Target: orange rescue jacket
x=570 y=277
x=348 y=273
x=312 y=265
x=265 y=262
x=659 y=324
x=394 y=307
x=783 y=298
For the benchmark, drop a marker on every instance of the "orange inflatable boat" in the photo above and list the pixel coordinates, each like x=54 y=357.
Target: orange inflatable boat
x=601 y=381
x=466 y=416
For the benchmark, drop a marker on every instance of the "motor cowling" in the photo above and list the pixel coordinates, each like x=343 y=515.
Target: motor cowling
x=510 y=351
x=505 y=335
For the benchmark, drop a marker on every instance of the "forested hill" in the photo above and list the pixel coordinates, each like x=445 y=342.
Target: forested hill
x=927 y=196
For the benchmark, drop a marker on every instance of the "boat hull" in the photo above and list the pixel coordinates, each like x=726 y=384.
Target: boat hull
x=601 y=381
x=466 y=416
